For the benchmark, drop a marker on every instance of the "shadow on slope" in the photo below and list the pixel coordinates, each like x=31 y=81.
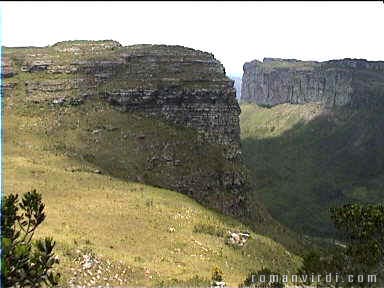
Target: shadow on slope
x=301 y=167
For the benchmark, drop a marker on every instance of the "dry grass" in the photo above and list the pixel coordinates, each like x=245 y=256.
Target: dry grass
x=144 y=230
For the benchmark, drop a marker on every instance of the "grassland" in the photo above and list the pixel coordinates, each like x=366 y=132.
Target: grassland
x=87 y=161
x=304 y=160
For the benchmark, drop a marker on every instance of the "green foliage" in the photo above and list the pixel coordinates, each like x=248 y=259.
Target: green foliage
x=363 y=231
x=363 y=228
x=264 y=278
x=317 y=262
x=313 y=159
x=25 y=262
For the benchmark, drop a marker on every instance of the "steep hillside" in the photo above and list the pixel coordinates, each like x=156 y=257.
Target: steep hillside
x=92 y=211
x=307 y=158
x=100 y=160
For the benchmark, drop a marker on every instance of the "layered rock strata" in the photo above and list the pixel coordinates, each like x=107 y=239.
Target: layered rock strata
x=346 y=82
x=183 y=86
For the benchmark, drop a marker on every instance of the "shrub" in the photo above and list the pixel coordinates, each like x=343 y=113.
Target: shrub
x=269 y=281
x=217 y=274
x=25 y=263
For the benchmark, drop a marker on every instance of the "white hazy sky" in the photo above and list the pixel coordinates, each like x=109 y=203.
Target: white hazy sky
x=235 y=32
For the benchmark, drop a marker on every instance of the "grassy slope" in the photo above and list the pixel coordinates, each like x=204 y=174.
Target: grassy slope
x=303 y=162
x=57 y=151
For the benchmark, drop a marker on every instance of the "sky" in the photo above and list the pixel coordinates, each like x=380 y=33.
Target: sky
x=235 y=32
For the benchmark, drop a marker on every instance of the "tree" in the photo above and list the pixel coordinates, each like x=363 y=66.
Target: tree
x=363 y=228
x=364 y=231
x=25 y=263
x=328 y=261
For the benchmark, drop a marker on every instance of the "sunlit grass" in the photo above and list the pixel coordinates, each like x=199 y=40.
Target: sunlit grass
x=150 y=230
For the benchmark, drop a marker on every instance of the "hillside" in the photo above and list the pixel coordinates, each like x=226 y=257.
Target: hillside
x=109 y=174
x=187 y=88
x=306 y=158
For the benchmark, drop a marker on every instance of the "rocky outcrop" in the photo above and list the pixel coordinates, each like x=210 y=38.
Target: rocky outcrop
x=7 y=70
x=352 y=82
x=182 y=86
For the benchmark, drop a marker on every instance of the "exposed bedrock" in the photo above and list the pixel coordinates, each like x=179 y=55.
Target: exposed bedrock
x=353 y=82
x=180 y=85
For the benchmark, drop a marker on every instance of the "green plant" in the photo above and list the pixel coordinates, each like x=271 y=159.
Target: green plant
x=363 y=227
x=363 y=230
x=25 y=263
x=217 y=274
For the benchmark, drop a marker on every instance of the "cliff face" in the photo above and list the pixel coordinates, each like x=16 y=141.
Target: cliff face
x=182 y=86
x=353 y=82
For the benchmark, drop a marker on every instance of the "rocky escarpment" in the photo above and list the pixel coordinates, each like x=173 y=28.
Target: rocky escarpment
x=347 y=82
x=182 y=86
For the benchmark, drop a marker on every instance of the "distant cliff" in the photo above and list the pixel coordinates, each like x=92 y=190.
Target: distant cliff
x=352 y=82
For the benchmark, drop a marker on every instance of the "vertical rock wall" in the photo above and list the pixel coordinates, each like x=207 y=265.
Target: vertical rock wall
x=332 y=83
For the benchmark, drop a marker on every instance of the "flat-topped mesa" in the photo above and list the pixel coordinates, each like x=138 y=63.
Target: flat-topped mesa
x=185 y=86
x=345 y=82
x=77 y=47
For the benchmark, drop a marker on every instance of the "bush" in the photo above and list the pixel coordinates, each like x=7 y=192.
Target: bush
x=25 y=263
x=217 y=274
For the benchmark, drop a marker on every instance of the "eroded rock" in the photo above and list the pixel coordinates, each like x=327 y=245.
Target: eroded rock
x=353 y=82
